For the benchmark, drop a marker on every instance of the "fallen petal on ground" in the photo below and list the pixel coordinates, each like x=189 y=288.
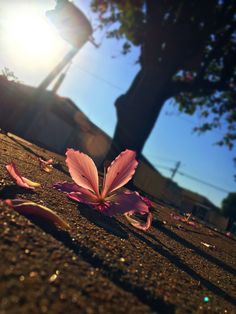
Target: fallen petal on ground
x=19 y=180
x=26 y=207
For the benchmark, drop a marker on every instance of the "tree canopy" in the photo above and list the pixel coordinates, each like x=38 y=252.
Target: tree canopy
x=190 y=45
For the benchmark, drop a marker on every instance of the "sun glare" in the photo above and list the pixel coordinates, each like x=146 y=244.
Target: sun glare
x=31 y=36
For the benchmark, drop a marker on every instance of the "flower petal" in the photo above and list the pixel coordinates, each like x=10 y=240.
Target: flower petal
x=20 y=181
x=137 y=224
x=66 y=187
x=175 y=217
x=82 y=170
x=46 y=165
x=76 y=192
x=82 y=198
x=26 y=207
x=32 y=184
x=125 y=201
x=184 y=219
x=191 y=223
x=130 y=203
x=120 y=171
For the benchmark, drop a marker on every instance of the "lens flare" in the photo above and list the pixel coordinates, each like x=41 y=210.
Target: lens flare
x=30 y=35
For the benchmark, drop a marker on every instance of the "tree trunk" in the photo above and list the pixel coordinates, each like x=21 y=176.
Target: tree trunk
x=163 y=53
x=138 y=110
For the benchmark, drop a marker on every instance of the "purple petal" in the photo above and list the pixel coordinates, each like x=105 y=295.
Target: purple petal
x=125 y=201
x=137 y=224
x=83 y=198
x=66 y=187
x=130 y=203
x=95 y=203
x=77 y=193
x=147 y=201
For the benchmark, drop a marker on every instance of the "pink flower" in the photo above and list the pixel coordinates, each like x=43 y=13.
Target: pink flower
x=19 y=180
x=109 y=200
x=26 y=207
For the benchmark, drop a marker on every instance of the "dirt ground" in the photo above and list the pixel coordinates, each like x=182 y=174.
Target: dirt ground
x=104 y=265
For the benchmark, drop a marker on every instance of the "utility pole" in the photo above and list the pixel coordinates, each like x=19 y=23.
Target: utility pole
x=164 y=194
x=175 y=170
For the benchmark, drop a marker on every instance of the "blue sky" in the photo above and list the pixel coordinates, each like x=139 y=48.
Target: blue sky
x=96 y=78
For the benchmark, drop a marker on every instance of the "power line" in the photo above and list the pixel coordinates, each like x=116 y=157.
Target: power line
x=192 y=178
x=204 y=182
x=161 y=166
x=161 y=158
x=100 y=78
x=195 y=123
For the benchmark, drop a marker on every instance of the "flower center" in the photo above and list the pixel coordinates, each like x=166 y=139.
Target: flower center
x=102 y=204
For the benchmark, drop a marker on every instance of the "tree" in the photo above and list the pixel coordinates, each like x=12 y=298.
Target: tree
x=229 y=206
x=187 y=53
x=9 y=75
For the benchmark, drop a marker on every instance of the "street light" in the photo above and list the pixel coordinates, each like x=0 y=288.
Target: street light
x=74 y=27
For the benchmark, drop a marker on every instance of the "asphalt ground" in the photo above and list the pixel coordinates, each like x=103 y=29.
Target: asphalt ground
x=102 y=264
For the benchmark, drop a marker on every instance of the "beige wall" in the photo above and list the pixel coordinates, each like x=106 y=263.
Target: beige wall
x=149 y=181
x=152 y=182
x=217 y=220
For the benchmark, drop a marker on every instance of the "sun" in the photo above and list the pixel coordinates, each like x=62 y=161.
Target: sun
x=31 y=36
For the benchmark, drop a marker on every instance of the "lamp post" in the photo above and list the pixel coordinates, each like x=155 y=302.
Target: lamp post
x=75 y=28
